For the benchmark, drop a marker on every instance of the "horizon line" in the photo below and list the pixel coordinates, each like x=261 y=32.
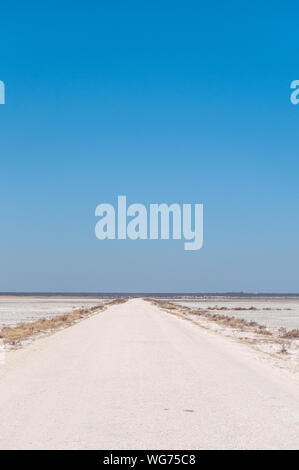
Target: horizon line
x=152 y=293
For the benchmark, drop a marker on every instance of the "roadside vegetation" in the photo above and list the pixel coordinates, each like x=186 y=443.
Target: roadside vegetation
x=15 y=335
x=273 y=341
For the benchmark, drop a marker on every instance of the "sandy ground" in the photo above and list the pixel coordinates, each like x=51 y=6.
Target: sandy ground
x=134 y=377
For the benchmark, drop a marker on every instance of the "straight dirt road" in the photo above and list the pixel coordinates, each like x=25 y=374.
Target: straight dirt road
x=135 y=377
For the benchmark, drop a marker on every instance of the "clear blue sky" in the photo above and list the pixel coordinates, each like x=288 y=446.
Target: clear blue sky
x=163 y=102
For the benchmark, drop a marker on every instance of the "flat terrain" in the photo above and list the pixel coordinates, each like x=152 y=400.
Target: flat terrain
x=17 y=309
x=133 y=377
x=274 y=312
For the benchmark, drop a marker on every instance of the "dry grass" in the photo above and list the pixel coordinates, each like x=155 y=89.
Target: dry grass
x=225 y=320
x=276 y=344
x=161 y=303
x=234 y=322
x=291 y=334
x=283 y=350
x=14 y=335
x=232 y=308
x=240 y=309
